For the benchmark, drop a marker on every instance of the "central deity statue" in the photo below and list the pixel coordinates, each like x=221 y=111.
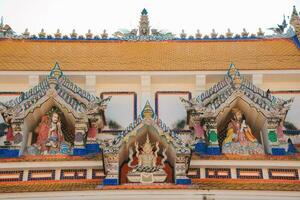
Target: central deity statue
x=147 y=170
x=239 y=138
x=50 y=139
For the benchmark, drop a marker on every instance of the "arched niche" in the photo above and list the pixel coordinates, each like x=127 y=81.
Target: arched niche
x=32 y=120
x=154 y=134
x=254 y=118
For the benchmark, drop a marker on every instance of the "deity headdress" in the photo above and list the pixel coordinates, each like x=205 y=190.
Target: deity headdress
x=54 y=109
x=147 y=146
x=236 y=112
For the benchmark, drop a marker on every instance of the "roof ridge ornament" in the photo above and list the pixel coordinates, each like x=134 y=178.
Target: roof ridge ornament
x=295 y=11
x=148 y=112
x=1 y=23
x=56 y=72
x=144 y=12
x=280 y=29
x=234 y=75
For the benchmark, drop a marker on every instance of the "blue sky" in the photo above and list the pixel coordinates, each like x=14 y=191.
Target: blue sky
x=169 y=15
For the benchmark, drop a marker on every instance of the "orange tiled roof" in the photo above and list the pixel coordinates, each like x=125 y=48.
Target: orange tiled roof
x=246 y=184
x=29 y=55
x=49 y=185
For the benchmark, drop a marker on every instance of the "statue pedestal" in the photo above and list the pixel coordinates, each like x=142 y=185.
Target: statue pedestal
x=200 y=148
x=183 y=181
x=111 y=181
x=291 y=149
x=213 y=150
x=9 y=153
x=147 y=177
x=92 y=148
x=277 y=151
x=79 y=151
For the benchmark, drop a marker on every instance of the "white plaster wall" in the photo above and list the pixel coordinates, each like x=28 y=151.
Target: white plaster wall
x=11 y=83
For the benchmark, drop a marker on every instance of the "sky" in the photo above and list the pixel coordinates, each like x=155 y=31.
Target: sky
x=170 y=15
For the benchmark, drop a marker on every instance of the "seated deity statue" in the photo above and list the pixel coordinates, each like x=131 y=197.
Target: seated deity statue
x=50 y=139
x=239 y=138
x=147 y=170
x=42 y=133
x=55 y=136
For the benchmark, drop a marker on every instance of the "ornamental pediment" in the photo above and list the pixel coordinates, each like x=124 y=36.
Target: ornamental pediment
x=62 y=91
x=147 y=121
x=213 y=101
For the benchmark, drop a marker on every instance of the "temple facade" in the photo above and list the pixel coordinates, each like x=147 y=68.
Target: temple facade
x=147 y=109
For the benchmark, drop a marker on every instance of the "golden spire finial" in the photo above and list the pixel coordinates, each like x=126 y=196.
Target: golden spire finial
x=56 y=71
x=147 y=112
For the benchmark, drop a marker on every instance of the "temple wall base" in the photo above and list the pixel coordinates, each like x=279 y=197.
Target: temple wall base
x=244 y=169
x=51 y=170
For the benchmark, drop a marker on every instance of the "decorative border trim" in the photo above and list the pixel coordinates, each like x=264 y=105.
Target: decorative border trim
x=10 y=93
x=94 y=174
x=31 y=173
x=296 y=41
x=19 y=173
x=168 y=93
x=216 y=173
x=124 y=93
x=197 y=173
x=76 y=174
x=295 y=171
x=286 y=92
x=239 y=176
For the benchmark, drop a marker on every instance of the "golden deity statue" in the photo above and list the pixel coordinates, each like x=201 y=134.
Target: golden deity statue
x=147 y=170
x=147 y=158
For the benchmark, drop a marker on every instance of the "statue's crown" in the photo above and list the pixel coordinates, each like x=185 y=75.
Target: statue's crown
x=147 y=144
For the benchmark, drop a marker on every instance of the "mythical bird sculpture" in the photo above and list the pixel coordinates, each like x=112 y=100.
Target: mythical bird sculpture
x=280 y=27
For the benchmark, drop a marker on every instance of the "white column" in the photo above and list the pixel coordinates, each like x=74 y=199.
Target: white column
x=200 y=83
x=202 y=172
x=233 y=173
x=57 y=174
x=145 y=90
x=265 y=173
x=89 y=173
x=257 y=80
x=90 y=84
x=299 y=173
x=33 y=80
x=25 y=175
